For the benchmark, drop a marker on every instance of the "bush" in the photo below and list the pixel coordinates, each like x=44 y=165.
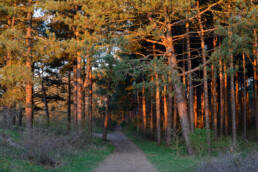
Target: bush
x=198 y=140
x=230 y=162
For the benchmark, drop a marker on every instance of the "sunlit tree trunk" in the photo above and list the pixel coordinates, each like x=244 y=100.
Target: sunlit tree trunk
x=29 y=85
x=157 y=108
x=104 y=136
x=237 y=99
x=195 y=109
x=214 y=91
x=144 y=117
x=165 y=124
x=221 y=90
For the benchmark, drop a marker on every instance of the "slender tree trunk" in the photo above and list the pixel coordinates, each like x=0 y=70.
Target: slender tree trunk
x=75 y=94
x=165 y=126
x=29 y=85
x=233 y=105
x=205 y=82
x=45 y=103
x=79 y=91
x=106 y=119
x=138 y=112
x=195 y=109
x=247 y=103
x=175 y=115
x=151 y=120
x=226 y=98
x=189 y=78
x=144 y=116
x=157 y=109
x=69 y=102
x=202 y=109
x=169 y=111
x=237 y=100
x=244 y=96
x=90 y=95
x=221 y=97
x=215 y=118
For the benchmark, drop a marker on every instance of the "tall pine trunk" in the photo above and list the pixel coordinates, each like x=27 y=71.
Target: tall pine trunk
x=205 y=81
x=189 y=78
x=221 y=90
x=69 y=102
x=157 y=108
x=29 y=85
x=75 y=93
x=244 y=97
x=226 y=99
x=144 y=113
x=214 y=91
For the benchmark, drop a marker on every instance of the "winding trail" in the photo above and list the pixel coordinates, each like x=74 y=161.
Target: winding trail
x=127 y=157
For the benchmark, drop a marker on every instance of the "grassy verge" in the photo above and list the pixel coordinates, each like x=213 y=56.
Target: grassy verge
x=163 y=157
x=84 y=159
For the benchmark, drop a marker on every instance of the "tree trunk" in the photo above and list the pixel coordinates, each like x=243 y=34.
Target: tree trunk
x=189 y=78
x=144 y=117
x=169 y=107
x=157 y=108
x=215 y=118
x=226 y=98
x=233 y=105
x=244 y=97
x=69 y=102
x=90 y=95
x=75 y=94
x=45 y=103
x=29 y=85
x=221 y=97
x=165 y=124
x=195 y=109
x=106 y=119
x=237 y=100
x=205 y=81
x=151 y=120
x=79 y=90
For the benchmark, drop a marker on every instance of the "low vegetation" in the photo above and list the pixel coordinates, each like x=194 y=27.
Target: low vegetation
x=45 y=149
x=174 y=157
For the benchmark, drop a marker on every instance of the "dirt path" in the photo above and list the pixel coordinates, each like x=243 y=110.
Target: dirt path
x=127 y=157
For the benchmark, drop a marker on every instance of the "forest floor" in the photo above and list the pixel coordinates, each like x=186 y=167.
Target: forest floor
x=127 y=157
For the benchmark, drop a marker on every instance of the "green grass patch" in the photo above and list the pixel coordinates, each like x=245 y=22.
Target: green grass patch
x=163 y=157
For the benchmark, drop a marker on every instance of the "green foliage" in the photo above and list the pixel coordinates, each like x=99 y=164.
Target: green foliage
x=198 y=140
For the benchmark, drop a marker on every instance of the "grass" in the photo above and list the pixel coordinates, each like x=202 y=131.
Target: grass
x=168 y=159
x=162 y=157
x=81 y=160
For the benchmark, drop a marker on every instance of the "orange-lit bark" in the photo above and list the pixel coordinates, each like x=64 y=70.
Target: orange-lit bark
x=104 y=136
x=165 y=124
x=226 y=99
x=237 y=100
x=221 y=90
x=195 y=110
x=75 y=93
x=29 y=85
x=157 y=108
x=144 y=117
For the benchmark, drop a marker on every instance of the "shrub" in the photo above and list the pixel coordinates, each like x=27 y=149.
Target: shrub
x=198 y=140
x=230 y=162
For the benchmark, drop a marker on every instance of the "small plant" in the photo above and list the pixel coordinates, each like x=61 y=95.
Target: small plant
x=199 y=140
x=175 y=139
